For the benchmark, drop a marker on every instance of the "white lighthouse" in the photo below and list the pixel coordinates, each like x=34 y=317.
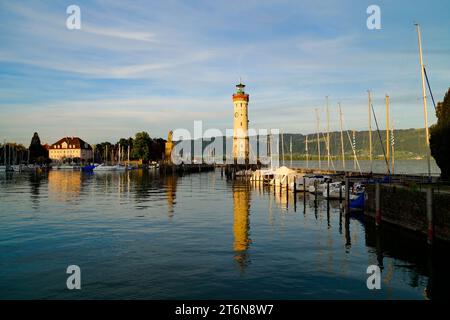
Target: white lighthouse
x=240 y=133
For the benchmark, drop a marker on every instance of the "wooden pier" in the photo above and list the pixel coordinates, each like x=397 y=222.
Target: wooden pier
x=185 y=168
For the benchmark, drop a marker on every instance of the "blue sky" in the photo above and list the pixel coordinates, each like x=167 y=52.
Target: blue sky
x=160 y=65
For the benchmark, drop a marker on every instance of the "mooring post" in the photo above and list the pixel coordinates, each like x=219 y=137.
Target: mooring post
x=430 y=214
x=316 y=186
x=347 y=195
x=315 y=194
x=287 y=192
x=377 y=204
x=304 y=186
x=328 y=190
x=340 y=196
x=280 y=187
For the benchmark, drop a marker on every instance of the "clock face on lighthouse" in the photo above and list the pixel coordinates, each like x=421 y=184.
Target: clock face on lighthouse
x=236 y=114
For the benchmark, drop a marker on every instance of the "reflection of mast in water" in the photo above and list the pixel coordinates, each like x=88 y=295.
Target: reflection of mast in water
x=241 y=224
x=171 y=188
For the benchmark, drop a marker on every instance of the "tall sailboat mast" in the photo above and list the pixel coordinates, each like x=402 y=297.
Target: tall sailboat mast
x=388 y=128
x=424 y=97
x=354 y=149
x=318 y=137
x=328 y=136
x=370 y=131
x=282 y=146
x=393 y=149
x=342 y=137
x=290 y=149
x=307 y=154
x=120 y=153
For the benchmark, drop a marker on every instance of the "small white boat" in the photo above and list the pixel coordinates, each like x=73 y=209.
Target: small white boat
x=316 y=180
x=244 y=173
x=335 y=191
x=68 y=167
x=264 y=175
x=104 y=167
x=120 y=167
x=16 y=168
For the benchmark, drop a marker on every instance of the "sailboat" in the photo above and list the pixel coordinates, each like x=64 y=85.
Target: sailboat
x=119 y=166
x=104 y=166
x=266 y=175
x=424 y=97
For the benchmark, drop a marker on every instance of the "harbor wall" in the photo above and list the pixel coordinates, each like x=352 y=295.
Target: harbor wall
x=406 y=207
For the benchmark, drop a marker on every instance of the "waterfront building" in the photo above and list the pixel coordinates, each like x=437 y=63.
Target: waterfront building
x=70 y=148
x=240 y=125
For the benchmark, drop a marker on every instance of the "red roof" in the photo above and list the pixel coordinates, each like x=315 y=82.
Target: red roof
x=72 y=141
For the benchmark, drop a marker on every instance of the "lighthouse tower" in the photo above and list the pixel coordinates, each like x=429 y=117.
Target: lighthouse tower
x=240 y=125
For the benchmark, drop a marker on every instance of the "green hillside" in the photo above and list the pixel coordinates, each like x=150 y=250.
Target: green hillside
x=409 y=144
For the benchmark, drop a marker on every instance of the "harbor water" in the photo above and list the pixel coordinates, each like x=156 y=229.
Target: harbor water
x=140 y=235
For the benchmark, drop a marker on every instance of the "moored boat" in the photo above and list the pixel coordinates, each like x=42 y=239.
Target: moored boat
x=104 y=167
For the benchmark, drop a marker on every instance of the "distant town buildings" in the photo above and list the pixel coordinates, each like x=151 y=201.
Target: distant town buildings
x=70 y=148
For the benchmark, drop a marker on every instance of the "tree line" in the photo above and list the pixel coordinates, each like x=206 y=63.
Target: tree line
x=140 y=147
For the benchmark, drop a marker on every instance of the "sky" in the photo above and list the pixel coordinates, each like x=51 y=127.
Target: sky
x=157 y=66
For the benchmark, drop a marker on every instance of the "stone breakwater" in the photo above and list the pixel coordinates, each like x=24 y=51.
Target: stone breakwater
x=406 y=207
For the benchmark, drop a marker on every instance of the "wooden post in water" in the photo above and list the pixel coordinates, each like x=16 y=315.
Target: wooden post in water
x=287 y=189
x=304 y=186
x=347 y=195
x=328 y=202
x=430 y=215
x=377 y=205
x=315 y=193
x=328 y=190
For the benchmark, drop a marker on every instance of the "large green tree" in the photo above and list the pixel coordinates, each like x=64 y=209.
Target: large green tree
x=440 y=137
x=38 y=153
x=141 y=146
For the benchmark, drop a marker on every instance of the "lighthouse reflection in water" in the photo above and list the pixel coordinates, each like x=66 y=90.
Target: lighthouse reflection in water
x=145 y=235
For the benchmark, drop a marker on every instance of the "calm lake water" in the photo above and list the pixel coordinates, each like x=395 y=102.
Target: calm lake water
x=139 y=235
